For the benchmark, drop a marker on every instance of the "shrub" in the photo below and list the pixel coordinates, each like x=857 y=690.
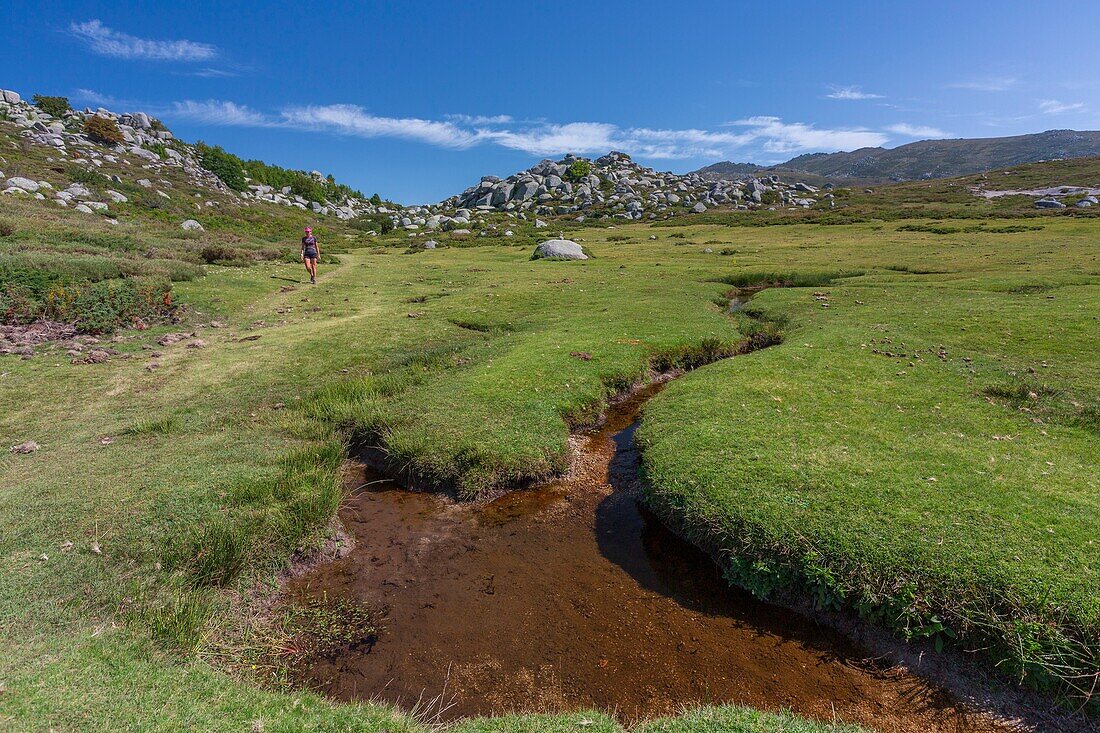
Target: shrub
x=56 y=106
x=578 y=171
x=219 y=254
x=103 y=130
x=226 y=166
x=103 y=306
x=377 y=223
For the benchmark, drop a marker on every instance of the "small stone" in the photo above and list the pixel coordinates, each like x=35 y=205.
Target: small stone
x=197 y=344
x=96 y=549
x=66 y=545
x=27 y=447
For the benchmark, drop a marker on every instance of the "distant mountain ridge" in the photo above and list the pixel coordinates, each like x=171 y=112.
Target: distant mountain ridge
x=921 y=160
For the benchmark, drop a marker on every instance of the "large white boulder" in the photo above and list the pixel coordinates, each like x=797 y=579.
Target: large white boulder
x=559 y=249
x=24 y=183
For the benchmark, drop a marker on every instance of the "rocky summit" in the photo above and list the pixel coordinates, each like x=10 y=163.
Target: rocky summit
x=610 y=187
x=147 y=147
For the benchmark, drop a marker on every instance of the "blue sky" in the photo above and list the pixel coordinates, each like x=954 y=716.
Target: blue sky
x=417 y=100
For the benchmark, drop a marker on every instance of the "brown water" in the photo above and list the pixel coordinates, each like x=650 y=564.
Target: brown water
x=572 y=595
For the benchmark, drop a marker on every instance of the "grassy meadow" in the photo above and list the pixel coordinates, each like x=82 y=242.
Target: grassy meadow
x=922 y=447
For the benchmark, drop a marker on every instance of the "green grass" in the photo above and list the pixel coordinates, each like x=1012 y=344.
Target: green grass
x=207 y=487
x=806 y=464
x=922 y=451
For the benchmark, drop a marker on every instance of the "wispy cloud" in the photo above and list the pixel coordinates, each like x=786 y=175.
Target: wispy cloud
x=350 y=119
x=91 y=96
x=213 y=73
x=599 y=137
x=215 y=112
x=921 y=131
x=987 y=84
x=481 y=119
x=1054 y=107
x=540 y=137
x=109 y=42
x=850 y=93
x=790 y=137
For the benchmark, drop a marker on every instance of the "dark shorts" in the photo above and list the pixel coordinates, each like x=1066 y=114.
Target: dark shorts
x=309 y=254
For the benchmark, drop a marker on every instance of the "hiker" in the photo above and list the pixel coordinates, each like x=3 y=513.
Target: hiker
x=310 y=254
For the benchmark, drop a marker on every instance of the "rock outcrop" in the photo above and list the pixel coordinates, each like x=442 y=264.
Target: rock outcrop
x=559 y=249
x=612 y=186
x=148 y=147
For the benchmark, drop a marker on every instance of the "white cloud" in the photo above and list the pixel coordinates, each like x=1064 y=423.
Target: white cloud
x=789 y=137
x=213 y=73
x=922 y=131
x=1054 y=107
x=850 y=93
x=109 y=42
x=214 y=112
x=481 y=119
x=93 y=97
x=770 y=134
x=349 y=119
x=988 y=84
x=600 y=137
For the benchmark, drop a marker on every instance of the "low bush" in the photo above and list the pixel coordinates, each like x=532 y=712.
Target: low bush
x=104 y=306
x=55 y=106
x=578 y=171
x=226 y=166
x=103 y=130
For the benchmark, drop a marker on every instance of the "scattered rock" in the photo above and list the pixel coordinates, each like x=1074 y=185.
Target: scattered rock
x=192 y=226
x=95 y=356
x=1049 y=203
x=197 y=344
x=24 y=184
x=582 y=355
x=559 y=249
x=26 y=447
x=170 y=338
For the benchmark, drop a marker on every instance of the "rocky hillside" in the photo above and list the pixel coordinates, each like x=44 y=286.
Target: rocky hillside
x=143 y=145
x=610 y=187
x=923 y=160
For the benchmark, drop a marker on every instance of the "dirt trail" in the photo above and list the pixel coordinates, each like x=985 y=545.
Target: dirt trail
x=572 y=595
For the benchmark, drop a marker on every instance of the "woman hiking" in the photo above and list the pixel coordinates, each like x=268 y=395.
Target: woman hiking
x=311 y=252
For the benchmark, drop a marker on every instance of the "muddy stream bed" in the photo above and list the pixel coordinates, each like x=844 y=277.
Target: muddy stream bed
x=572 y=595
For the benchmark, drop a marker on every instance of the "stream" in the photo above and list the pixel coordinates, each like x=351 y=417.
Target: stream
x=572 y=595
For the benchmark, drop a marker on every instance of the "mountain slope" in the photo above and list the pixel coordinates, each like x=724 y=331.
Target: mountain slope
x=927 y=158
